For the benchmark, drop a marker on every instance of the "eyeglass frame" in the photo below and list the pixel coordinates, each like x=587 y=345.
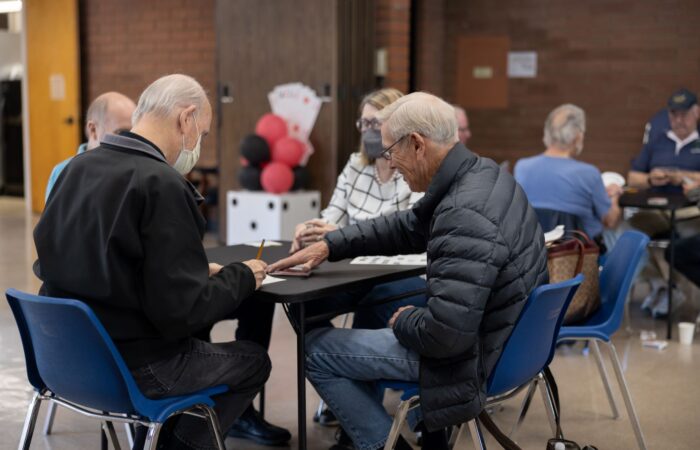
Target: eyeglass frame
x=386 y=153
x=373 y=124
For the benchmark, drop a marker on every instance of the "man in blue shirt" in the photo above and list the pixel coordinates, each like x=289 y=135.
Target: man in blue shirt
x=555 y=180
x=670 y=158
x=109 y=113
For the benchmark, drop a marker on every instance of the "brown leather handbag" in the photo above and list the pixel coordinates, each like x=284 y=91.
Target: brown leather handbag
x=573 y=254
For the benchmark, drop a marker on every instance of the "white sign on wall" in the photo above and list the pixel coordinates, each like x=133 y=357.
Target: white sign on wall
x=522 y=64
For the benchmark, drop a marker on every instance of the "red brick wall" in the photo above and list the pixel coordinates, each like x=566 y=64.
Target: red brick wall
x=618 y=59
x=393 y=26
x=127 y=44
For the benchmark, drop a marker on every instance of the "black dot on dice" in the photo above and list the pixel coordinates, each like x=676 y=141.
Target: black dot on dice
x=253 y=225
x=271 y=205
x=313 y=203
x=234 y=202
x=284 y=206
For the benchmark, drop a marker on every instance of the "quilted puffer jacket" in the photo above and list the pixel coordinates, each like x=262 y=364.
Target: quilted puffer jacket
x=485 y=252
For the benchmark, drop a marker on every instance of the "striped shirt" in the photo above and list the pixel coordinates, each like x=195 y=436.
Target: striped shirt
x=359 y=195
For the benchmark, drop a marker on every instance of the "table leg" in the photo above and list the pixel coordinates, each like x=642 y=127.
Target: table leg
x=301 y=376
x=669 y=318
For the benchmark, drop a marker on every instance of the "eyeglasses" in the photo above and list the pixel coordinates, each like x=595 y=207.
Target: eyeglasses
x=366 y=124
x=386 y=154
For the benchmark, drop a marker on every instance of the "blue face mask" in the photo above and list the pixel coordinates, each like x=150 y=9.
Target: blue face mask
x=372 y=142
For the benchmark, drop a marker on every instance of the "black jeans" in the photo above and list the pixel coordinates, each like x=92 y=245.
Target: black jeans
x=243 y=366
x=687 y=257
x=254 y=322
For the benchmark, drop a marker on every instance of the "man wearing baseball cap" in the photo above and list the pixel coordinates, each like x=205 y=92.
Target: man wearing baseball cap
x=672 y=157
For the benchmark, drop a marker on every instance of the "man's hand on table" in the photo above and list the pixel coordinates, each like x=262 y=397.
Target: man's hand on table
x=309 y=257
x=392 y=321
x=310 y=232
x=659 y=177
x=258 y=267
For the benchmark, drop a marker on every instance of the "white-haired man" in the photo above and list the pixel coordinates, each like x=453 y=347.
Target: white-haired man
x=109 y=113
x=122 y=232
x=485 y=254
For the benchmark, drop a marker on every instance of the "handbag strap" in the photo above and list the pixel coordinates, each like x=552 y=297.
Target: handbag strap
x=506 y=442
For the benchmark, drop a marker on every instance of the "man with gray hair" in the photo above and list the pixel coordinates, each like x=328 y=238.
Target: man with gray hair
x=109 y=113
x=555 y=181
x=123 y=233
x=485 y=253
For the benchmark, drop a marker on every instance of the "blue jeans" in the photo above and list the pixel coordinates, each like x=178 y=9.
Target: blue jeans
x=343 y=365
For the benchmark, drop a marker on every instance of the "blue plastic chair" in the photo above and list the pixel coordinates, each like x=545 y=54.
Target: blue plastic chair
x=72 y=361
x=615 y=282
x=529 y=349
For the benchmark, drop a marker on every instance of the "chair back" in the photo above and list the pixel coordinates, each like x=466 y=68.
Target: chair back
x=616 y=279
x=550 y=218
x=69 y=352
x=530 y=347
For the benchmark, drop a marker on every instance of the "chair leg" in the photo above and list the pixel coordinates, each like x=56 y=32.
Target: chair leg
x=626 y=396
x=477 y=436
x=152 y=436
x=399 y=419
x=108 y=429
x=319 y=410
x=549 y=406
x=214 y=426
x=29 y=422
x=524 y=408
x=604 y=376
x=48 y=422
x=129 y=430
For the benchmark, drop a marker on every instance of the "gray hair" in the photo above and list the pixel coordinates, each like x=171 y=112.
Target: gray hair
x=422 y=113
x=166 y=94
x=563 y=125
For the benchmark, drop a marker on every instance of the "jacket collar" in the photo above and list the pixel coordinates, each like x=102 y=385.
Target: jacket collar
x=456 y=158
x=132 y=141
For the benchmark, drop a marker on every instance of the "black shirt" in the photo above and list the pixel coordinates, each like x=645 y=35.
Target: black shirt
x=122 y=232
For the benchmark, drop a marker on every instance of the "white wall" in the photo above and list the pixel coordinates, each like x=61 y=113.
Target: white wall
x=10 y=55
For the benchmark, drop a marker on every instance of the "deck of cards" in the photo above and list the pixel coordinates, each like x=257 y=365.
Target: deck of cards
x=299 y=106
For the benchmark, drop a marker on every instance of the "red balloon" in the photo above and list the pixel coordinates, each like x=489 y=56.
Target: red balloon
x=271 y=127
x=288 y=151
x=277 y=178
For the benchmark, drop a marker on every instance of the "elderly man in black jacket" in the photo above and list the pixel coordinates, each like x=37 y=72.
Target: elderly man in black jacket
x=485 y=252
x=122 y=232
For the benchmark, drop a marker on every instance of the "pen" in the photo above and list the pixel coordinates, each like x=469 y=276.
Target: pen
x=262 y=245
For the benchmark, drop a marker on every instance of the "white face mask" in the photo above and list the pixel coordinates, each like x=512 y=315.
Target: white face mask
x=188 y=158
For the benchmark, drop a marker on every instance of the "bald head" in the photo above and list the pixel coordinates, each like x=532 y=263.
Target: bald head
x=463 y=130
x=109 y=113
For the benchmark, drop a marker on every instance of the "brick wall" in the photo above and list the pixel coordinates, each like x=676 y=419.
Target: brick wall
x=618 y=59
x=127 y=44
x=393 y=27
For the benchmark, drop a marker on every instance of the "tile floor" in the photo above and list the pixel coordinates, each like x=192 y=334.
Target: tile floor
x=664 y=384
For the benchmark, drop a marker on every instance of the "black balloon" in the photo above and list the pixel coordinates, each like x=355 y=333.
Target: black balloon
x=301 y=178
x=249 y=177
x=255 y=149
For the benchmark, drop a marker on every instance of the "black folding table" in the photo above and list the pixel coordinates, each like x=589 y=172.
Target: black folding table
x=326 y=280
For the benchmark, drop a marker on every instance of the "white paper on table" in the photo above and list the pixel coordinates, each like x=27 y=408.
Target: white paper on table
x=267 y=244
x=554 y=234
x=271 y=280
x=398 y=260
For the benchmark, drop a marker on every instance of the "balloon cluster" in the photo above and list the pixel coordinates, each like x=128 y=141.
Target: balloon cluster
x=270 y=158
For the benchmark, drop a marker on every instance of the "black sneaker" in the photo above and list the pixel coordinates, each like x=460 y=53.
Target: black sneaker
x=253 y=427
x=326 y=418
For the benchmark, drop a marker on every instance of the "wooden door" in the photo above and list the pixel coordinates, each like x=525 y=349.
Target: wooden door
x=264 y=43
x=53 y=88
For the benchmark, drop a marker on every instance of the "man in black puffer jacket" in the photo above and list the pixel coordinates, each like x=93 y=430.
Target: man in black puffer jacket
x=485 y=254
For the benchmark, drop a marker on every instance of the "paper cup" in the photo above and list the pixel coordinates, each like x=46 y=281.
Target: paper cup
x=686 y=331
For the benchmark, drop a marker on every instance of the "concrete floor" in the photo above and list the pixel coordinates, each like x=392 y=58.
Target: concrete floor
x=664 y=384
